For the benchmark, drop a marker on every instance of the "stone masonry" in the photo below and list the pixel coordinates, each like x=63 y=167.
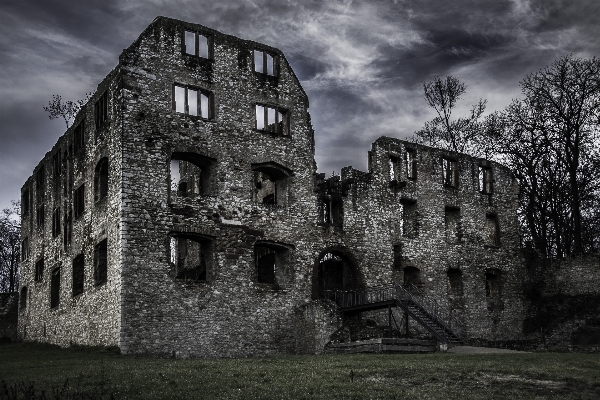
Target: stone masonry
x=182 y=214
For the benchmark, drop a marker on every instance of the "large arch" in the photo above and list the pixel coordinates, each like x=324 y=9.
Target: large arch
x=335 y=269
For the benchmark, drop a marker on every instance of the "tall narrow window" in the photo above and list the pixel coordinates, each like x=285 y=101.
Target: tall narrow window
x=101 y=110
x=101 y=179
x=450 y=172
x=452 y=223
x=55 y=288
x=411 y=164
x=485 y=180
x=40 y=185
x=79 y=201
x=100 y=262
x=394 y=167
x=195 y=102
x=56 y=165
x=39 y=270
x=265 y=63
x=492 y=230
x=410 y=221
x=191 y=257
x=40 y=216
x=56 y=222
x=23 y=298
x=78 y=139
x=78 y=275
x=271 y=119
x=25 y=202
x=25 y=249
x=196 y=44
x=455 y=283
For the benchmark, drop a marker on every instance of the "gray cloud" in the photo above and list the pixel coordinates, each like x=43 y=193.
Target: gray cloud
x=361 y=62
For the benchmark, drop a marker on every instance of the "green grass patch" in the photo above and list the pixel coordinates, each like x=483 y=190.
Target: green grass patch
x=28 y=370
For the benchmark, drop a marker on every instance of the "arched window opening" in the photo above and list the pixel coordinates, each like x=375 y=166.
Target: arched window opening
x=101 y=180
x=191 y=175
x=270 y=184
x=336 y=271
x=191 y=257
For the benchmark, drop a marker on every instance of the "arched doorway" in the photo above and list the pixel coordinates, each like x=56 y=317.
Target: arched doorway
x=335 y=269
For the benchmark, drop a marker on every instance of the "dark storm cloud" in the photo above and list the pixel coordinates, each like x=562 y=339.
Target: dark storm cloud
x=361 y=62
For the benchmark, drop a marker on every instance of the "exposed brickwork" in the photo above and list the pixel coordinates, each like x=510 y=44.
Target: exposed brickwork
x=198 y=208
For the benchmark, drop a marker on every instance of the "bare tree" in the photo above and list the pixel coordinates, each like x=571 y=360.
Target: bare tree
x=66 y=110
x=462 y=134
x=551 y=140
x=9 y=247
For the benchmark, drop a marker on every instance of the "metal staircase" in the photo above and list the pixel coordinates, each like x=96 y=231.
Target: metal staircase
x=426 y=311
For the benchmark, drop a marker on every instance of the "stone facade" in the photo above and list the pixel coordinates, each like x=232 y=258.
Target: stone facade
x=204 y=230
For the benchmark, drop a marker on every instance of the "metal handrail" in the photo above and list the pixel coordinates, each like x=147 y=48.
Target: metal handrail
x=358 y=297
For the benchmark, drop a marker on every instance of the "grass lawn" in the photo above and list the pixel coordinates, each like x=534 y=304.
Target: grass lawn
x=27 y=369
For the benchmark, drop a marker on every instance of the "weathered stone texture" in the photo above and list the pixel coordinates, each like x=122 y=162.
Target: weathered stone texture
x=189 y=217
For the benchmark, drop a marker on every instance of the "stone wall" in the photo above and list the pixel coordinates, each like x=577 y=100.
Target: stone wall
x=88 y=315
x=222 y=240
x=564 y=302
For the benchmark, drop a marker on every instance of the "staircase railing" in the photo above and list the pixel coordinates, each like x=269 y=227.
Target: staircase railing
x=407 y=296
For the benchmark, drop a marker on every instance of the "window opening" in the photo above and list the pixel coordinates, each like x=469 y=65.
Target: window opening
x=492 y=230
x=55 y=288
x=411 y=164
x=452 y=224
x=68 y=230
x=25 y=203
x=265 y=63
x=270 y=183
x=410 y=218
x=196 y=44
x=100 y=262
x=56 y=165
x=40 y=216
x=23 y=298
x=394 y=166
x=101 y=180
x=271 y=119
x=492 y=283
x=485 y=179
x=412 y=276
x=191 y=174
x=78 y=140
x=191 y=257
x=101 y=110
x=266 y=265
x=78 y=275
x=79 y=201
x=56 y=222
x=195 y=102
x=337 y=272
x=450 y=171
x=25 y=249
x=455 y=283
x=40 y=184
x=39 y=270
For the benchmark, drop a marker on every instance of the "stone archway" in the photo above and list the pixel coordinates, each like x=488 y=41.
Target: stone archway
x=335 y=269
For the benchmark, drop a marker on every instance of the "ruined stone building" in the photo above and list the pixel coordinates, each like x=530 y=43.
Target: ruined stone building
x=182 y=214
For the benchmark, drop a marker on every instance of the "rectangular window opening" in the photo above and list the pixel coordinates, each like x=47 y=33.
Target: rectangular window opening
x=100 y=262
x=411 y=164
x=492 y=230
x=79 y=201
x=450 y=172
x=265 y=63
x=78 y=275
x=271 y=119
x=194 y=102
x=39 y=270
x=55 y=288
x=485 y=180
x=56 y=222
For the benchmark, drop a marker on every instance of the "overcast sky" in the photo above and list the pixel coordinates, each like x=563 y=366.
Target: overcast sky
x=362 y=63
